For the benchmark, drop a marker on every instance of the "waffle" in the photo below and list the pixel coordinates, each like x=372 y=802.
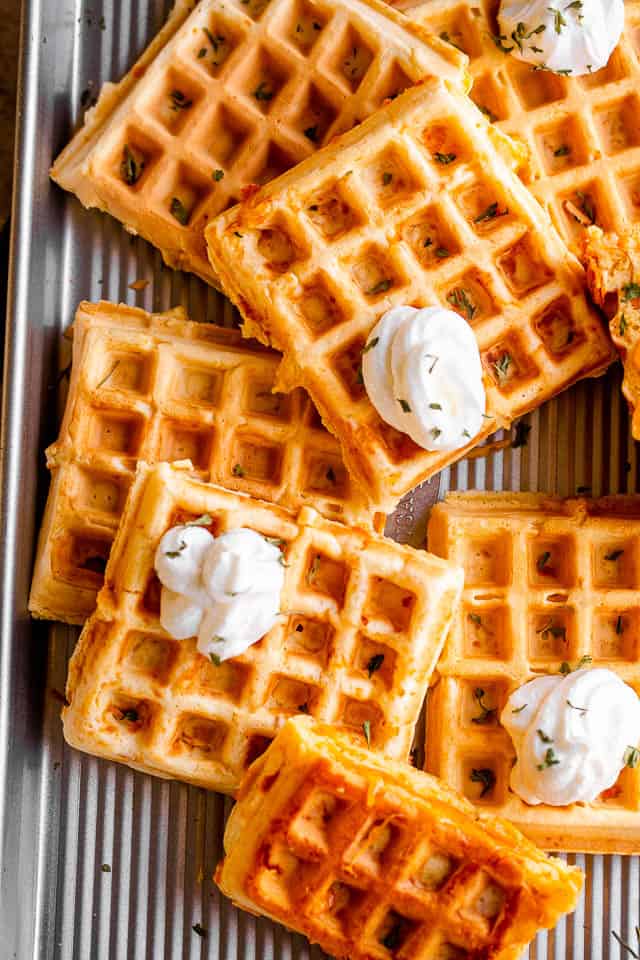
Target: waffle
x=373 y=859
x=365 y=620
x=159 y=387
x=612 y=263
x=518 y=621
x=582 y=132
x=232 y=95
x=315 y=258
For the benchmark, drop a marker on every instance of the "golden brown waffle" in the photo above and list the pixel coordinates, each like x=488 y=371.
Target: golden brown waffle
x=371 y=858
x=364 y=623
x=612 y=262
x=315 y=258
x=234 y=94
x=521 y=618
x=582 y=132
x=158 y=387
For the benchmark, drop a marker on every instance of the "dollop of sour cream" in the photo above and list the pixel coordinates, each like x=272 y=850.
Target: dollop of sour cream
x=423 y=374
x=225 y=590
x=572 y=734
x=566 y=37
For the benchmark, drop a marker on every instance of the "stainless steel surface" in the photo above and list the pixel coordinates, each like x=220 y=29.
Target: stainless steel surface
x=96 y=861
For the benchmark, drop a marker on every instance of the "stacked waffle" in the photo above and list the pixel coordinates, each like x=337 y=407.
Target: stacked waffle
x=321 y=163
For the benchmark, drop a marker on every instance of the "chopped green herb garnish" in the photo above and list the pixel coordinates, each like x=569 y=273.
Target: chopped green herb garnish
x=587 y=206
x=178 y=100
x=558 y=20
x=631 y=291
x=218 y=175
x=550 y=759
x=435 y=432
x=499 y=40
x=631 y=757
x=488 y=713
x=543 y=560
x=366 y=727
x=613 y=555
x=435 y=406
x=130 y=168
x=375 y=663
x=442 y=253
x=386 y=179
x=447 y=39
x=238 y=470
x=486 y=777
x=544 y=737
x=622 y=324
x=445 y=158
x=475 y=618
x=491 y=213
x=108 y=376
x=562 y=151
x=178 y=210
x=431 y=356
x=405 y=406
x=566 y=668
x=313 y=569
x=550 y=627
x=581 y=710
x=262 y=91
x=172 y=554
x=381 y=287
x=130 y=715
x=459 y=300
x=520 y=709
x=619 y=625
x=501 y=367
x=205 y=520
x=311 y=133
x=202 y=52
x=105 y=868
x=371 y=344
x=215 y=659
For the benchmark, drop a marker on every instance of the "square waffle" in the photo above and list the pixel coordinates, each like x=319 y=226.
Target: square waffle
x=371 y=858
x=232 y=94
x=159 y=387
x=520 y=619
x=315 y=258
x=582 y=133
x=364 y=621
x=612 y=262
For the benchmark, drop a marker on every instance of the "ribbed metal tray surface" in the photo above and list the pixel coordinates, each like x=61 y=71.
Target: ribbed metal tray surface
x=96 y=861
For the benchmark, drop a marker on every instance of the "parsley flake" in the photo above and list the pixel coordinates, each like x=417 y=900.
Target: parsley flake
x=486 y=777
x=550 y=759
x=238 y=470
x=445 y=158
x=218 y=175
x=178 y=210
x=458 y=298
x=375 y=663
x=631 y=757
x=371 y=344
x=366 y=728
x=381 y=287
x=130 y=168
x=491 y=213
x=262 y=91
x=630 y=291
x=488 y=713
x=405 y=406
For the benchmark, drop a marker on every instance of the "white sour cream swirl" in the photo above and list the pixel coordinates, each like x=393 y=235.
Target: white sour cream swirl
x=225 y=590
x=423 y=374
x=577 y=37
x=571 y=734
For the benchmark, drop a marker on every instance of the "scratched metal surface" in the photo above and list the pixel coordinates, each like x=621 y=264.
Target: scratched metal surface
x=96 y=861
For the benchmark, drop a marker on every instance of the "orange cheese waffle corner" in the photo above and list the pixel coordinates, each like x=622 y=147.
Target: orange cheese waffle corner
x=363 y=623
x=417 y=207
x=160 y=387
x=233 y=93
x=581 y=133
x=547 y=582
x=371 y=858
x=612 y=262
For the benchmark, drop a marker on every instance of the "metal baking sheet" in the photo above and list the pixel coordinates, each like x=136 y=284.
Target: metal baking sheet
x=96 y=861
